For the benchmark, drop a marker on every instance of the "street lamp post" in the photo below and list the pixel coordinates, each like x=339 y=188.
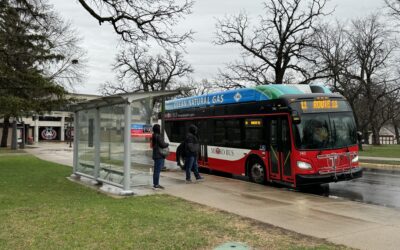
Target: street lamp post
x=71 y=117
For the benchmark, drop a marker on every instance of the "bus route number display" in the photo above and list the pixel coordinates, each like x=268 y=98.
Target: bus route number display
x=315 y=105
x=253 y=123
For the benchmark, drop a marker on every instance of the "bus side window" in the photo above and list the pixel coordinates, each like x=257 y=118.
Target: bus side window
x=233 y=135
x=168 y=130
x=175 y=131
x=273 y=132
x=254 y=138
x=219 y=133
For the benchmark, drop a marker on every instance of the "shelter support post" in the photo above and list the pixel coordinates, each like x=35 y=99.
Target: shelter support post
x=62 y=129
x=76 y=143
x=97 y=144
x=127 y=150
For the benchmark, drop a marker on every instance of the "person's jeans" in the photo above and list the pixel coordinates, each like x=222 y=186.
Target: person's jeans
x=191 y=164
x=158 y=164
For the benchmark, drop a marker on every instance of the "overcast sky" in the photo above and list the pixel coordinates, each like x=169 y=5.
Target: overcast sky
x=101 y=43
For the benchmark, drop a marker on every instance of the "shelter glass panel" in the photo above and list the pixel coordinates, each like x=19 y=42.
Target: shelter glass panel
x=112 y=143
x=141 y=133
x=85 y=143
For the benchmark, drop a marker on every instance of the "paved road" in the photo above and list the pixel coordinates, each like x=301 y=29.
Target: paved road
x=375 y=187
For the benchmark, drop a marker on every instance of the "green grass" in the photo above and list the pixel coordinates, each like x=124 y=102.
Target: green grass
x=9 y=151
x=381 y=151
x=40 y=208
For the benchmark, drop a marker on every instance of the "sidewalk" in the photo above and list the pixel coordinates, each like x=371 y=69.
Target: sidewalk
x=353 y=224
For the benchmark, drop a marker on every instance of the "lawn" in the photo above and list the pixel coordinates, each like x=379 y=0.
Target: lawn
x=381 y=151
x=9 y=151
x=40 y=208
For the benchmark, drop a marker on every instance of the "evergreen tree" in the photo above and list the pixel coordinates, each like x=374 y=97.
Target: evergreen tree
x=25 y=47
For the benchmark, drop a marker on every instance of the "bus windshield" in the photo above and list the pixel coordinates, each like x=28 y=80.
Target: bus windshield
x=325 y=131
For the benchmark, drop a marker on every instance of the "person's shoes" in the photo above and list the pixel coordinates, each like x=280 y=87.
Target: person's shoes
x=158 y=187
x=188 y=182
x=201 y=178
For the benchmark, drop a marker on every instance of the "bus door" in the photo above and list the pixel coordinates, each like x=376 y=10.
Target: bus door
x=203 y=139
x=280 y=149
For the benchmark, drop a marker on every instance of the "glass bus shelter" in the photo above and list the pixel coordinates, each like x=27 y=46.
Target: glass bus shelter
x=110 y=134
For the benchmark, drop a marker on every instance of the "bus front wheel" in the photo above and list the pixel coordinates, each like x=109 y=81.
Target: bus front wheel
x=181 y=162
x=257 y=172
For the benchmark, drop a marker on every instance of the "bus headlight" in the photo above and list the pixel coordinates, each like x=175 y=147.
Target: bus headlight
x=355 y=159
x=303 y=165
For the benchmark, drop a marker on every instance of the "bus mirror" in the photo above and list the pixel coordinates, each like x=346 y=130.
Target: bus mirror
x=296 y=118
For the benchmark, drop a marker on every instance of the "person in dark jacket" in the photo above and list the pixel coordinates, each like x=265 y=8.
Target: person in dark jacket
x=157 y=143
x=192 y=148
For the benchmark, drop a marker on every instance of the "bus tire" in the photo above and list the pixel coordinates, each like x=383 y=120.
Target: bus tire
x=181 y=163
x=256 y=171
x=180 y=159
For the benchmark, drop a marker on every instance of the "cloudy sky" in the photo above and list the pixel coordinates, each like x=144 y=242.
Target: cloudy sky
x=101 y=43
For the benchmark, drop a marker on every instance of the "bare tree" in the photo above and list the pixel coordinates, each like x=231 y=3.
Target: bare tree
x=70 y=69
x=274 y=51
x=373 y=47
x=361 y=66
x=396 y=120
x=140 y=19
x=140 y=71
x=337 y=58
x=393 y=112
x=394 y=8
x=196 y=88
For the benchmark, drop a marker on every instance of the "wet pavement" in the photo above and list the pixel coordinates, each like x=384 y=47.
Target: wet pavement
x=375 y=187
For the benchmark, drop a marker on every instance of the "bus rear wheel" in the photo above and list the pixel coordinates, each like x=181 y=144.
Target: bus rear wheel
x=257 y=172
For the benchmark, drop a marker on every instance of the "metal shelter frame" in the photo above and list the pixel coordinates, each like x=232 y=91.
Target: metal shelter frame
x=122 y=100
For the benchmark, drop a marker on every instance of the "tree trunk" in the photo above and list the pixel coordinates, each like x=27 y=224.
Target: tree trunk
x=375 y=136
x=6 y=126
x=396 y=131
x=279 y=74
x=366 y=137
x=14 y=141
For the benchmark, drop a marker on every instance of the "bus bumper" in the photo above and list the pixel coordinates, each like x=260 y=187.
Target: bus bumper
x=302 y=180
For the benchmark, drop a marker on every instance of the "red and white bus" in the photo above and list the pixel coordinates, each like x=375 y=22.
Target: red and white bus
x=290 y=134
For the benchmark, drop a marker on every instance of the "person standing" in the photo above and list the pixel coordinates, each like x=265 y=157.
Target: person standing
x=157 y=142
x=192 y=148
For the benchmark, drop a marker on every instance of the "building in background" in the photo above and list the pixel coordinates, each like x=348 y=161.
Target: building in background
x=52 y=126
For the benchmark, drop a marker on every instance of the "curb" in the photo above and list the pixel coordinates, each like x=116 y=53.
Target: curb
x=376 y=166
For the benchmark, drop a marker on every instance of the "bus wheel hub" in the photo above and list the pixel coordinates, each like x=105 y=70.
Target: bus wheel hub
x=257 y=172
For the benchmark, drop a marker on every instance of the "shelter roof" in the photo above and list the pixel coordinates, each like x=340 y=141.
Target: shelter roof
x=122 y=98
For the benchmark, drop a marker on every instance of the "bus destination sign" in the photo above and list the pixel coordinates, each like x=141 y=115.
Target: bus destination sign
x=320 y=104
x=323 y=105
